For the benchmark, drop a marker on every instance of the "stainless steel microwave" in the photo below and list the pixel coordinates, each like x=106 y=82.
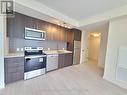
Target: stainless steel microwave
x=34 y=34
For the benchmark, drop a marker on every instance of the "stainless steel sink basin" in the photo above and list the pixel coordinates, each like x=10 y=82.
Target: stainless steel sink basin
x=64 y=51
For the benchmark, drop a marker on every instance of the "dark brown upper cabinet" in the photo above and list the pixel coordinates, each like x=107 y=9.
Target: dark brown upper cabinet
x=62 y=34
x=77 y=34
x=16 y=29
x=70 y=39
x=15 y=26
x=31 y=22
x=54 y=32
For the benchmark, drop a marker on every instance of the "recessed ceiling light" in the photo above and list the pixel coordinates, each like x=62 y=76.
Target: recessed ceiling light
x=58 y=24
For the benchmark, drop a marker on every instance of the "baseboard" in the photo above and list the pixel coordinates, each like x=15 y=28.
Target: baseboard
x=101 y=65
x=82 y=62
x=116 y=82
x=2 y=86
x=92 y=59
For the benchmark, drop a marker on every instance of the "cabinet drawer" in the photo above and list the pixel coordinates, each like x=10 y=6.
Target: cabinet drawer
x=11 y=70
x=61 y=60
x=14 y=59
x=20 y=69
x=17 y=76
x=14 y=65
x=13 y=77
x=14 y=62
x=15 y=69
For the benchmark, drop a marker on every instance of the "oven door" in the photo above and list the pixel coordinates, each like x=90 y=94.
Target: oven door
x=34 y=63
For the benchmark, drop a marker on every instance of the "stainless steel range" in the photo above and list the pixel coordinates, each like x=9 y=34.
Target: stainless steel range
x=35 y=62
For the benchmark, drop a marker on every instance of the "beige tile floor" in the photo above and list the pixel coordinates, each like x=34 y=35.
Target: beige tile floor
x=83 y=79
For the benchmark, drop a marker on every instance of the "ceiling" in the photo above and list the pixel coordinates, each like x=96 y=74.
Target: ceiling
x=75 y=13
x=82 y=9
x=30 y=12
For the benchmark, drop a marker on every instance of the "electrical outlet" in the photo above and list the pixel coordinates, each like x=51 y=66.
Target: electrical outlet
x=18 y=49
x=48 y=48
x=21 y=49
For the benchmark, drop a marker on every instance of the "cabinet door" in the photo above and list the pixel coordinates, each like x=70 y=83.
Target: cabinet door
x=60 y=33
x=42 y=25
x=19 y=27
x=77 y=34
x=61 y=60
x=10 y=27
x=29 y=22
x=68 y=59
x=54 y=33
x=63 y=35
x=39 y=25
x=16 y=26
x=14 y=69
x=70 y=38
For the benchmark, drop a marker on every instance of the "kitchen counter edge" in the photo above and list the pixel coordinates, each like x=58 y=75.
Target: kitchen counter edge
x=12 y=55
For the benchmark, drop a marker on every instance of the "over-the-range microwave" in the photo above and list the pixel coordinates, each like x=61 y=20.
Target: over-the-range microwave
x=34 y=34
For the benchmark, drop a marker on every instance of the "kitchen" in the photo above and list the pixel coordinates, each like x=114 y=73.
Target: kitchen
x=36 y=47
x=44 y=47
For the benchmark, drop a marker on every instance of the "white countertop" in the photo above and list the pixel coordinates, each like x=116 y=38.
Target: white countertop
x=9 y=55
x=57 y=52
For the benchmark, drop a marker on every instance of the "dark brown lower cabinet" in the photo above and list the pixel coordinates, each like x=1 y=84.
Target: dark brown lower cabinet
x=68 y=59
x=14 y=69
x=61 y=60
x=64 y=60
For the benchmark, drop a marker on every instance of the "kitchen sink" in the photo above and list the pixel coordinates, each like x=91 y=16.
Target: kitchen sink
x=64 y=51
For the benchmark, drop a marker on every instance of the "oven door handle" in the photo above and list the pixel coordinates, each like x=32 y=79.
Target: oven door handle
x=35 y=56
x=27 y=59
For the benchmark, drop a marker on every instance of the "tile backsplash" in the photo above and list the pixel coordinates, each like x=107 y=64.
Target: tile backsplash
x=53 y=45
x=16 y=45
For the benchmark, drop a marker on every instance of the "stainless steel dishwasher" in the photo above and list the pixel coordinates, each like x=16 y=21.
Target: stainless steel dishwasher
x=52 y=62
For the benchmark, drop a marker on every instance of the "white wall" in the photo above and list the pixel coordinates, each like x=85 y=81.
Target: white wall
x=93 y=47
x=84 y=46
x=2 y=27
x=103 y=43
x=103 y=46
x=117 y=37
